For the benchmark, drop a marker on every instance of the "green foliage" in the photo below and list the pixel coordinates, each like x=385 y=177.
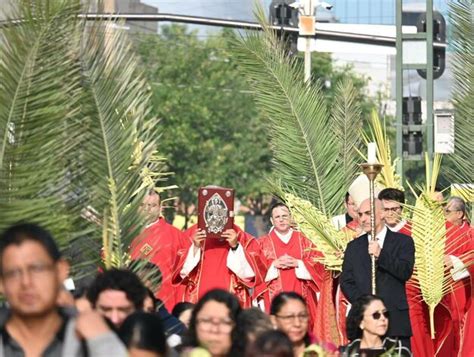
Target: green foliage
x=461 y=15
x=77 y=135
x=214 y=133
x=307 y=148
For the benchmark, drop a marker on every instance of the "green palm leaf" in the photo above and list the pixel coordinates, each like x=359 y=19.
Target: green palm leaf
x=305 y=149
x=78 y=144
x=345 y=122
x=461 y=16
x=38 y=100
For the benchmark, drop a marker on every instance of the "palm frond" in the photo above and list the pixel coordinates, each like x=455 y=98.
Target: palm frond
x=346 y=120
x=462 y=41
x=78 y=143
x=38 y=101
x=121 y=136
x=305 y=150
x=318 y=229
x=378 y=134
x=429 y=236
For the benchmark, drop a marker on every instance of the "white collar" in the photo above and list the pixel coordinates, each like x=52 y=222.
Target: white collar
x=380 y=236
x=152 y=223
x=398 y=226
x=285 y=238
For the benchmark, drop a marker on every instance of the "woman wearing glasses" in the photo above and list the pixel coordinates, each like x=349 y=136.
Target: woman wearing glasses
x=289 y=314
x=213 y=323
x=366 y=326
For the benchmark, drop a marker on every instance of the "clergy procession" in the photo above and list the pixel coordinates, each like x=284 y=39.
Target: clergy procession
x=259 y=204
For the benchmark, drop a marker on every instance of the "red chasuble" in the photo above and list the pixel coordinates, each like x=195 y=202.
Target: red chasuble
x=467 y=341
x=299 y=247
x=450 y=313
x=158 y=244
x=212 y=271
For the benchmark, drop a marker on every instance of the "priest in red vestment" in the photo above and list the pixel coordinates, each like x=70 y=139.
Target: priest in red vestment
x=290 y=259
x=158 y=243
x=229 y=263
x=449 y=316
x=467 y=341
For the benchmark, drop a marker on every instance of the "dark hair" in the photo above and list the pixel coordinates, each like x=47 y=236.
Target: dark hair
x=346 y=197
x=276 y=205
x=251 y=323
x=356 y=314
x=272 y=343
x=228 y=300
x=22 y=232
x=181 y=307
x=281 y=299
x=147 y=272
x=154 y=300
x=144 y=331
x=118 y=279
x=392 y=194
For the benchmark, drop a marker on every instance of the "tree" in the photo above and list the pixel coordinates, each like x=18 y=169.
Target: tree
x=213 y=133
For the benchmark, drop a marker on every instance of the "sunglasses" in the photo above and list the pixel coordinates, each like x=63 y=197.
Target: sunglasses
x=377 y=315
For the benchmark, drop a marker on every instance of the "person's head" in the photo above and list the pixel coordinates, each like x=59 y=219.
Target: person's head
x=364 y=215
x=213 y=322
x=350 y=206
x=253 y=322
x=392 y=201
x=368 y=316
x=150 y=303
x=455 y=210
x=151 y=206
x=289 y=313
x=149 y=273
x=143 y=335
x=280 y=217
x=31 y=270
x=81 y=302
x=116 y=294
x=182 y=311
x=271 y=343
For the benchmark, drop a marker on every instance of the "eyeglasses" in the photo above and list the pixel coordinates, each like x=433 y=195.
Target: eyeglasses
x=33 y=270
x=378 y=314
x=209 y=324
x=292 y=318
x=392 y=209
x=451 y=210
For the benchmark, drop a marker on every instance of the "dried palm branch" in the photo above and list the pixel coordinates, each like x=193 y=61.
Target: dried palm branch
x=319 y=229
x=306 y=153
x=378 y=134
x=429 y=236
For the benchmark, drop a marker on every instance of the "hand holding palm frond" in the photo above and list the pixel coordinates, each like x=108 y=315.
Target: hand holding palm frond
x=319 y=229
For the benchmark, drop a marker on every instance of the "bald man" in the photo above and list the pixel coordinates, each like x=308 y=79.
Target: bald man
x=395 y=257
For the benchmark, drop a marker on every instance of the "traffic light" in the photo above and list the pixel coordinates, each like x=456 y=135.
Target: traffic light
x=282 y=14
x=412 y=127
x=439 y=35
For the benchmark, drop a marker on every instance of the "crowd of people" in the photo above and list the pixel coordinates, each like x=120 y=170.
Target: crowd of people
x=239 y=295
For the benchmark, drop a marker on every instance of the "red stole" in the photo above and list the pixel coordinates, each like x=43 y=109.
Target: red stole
x=158 y=243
